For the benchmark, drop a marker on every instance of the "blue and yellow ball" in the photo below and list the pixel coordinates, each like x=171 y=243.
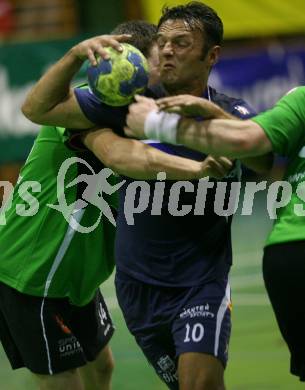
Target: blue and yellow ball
x=117 y=80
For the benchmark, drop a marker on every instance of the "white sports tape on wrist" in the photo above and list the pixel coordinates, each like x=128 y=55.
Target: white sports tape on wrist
x=162 y=126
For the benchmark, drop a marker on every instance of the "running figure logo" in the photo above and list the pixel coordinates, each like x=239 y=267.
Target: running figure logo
x=97 y=185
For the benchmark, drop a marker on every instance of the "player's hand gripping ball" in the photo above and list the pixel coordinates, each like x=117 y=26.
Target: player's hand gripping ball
x=117 y=80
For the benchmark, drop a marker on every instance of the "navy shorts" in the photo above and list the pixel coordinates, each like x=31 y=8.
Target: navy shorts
x=167 y=322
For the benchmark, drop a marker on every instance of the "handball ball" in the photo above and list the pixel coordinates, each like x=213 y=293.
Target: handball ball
x=117 y=80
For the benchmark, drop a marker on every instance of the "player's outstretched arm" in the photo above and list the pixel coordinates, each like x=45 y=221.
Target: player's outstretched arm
x=52 y=101
x=231 y=138
x=135 y=159
x=192 y=106
x=142 y=124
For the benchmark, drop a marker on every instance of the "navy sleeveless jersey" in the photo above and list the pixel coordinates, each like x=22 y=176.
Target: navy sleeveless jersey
x=167 y=250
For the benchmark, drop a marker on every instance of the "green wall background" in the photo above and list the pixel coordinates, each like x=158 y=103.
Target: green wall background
x=99 y=16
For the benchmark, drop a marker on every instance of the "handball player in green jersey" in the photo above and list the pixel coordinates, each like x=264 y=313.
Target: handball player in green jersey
x=281 y=130
x=53 y=319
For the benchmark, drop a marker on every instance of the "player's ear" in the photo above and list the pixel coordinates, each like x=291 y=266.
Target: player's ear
x=213 y=55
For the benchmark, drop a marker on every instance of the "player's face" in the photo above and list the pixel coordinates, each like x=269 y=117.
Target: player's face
x=182 y=66
x=153 y=65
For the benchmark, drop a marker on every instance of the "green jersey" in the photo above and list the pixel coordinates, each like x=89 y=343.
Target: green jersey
x=42 y=253
x=285 y=127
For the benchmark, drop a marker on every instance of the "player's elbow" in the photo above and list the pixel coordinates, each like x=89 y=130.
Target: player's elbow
x=26 y=110
x=29 y=112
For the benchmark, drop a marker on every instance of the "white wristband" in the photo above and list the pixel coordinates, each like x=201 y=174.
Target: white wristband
x=162 y=126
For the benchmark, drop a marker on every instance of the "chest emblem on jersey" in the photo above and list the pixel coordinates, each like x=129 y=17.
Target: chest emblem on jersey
x=242 y=110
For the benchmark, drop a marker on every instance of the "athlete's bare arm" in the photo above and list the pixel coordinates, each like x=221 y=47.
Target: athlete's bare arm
x=135 y=159
x=226 y=136
x=52 y=100
x=232 y=138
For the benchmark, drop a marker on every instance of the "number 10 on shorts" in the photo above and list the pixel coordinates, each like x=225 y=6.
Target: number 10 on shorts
x=194 y=333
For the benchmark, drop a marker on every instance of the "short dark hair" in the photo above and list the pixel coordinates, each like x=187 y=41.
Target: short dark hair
x=143 y=34
x=192 y=13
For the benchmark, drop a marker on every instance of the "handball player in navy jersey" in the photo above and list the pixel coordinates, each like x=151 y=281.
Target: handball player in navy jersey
x=172 y=271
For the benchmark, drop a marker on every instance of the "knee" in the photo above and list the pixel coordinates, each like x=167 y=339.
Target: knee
x=200 y=372
x=202 y=383
x=65 y=380
x=208 y=383
x=105 y=366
